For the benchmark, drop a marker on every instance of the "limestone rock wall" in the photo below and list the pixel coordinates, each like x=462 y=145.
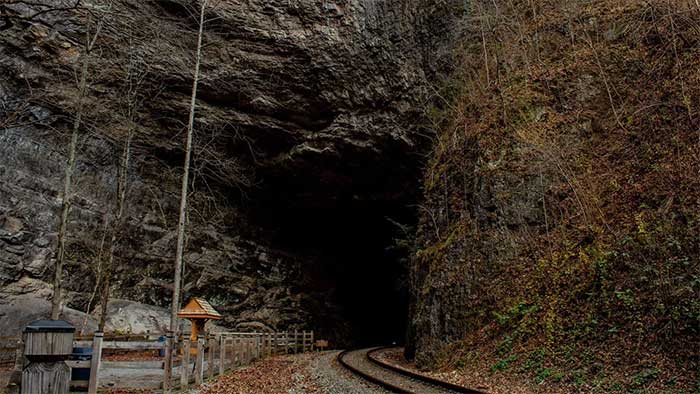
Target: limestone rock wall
x=300 y=99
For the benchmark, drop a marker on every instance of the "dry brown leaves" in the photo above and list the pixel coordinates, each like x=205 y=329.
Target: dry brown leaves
x=475 y=376
x=148 y=355
x=276 y=375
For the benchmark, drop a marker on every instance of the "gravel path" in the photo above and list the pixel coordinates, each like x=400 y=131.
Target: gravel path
x=334 y=379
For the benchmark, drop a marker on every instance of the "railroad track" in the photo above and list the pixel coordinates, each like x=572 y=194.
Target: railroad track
x=365 y=364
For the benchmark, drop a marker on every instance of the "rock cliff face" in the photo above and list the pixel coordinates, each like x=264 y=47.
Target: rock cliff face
x=560 y=214
x=305 y=106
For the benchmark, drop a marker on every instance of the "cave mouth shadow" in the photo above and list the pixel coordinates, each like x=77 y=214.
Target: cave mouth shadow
x=360 y=267
x=371 y=274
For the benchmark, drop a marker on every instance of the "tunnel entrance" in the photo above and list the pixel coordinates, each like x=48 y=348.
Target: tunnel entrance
x=368 y=269
x=358 y=266
x=349 y=216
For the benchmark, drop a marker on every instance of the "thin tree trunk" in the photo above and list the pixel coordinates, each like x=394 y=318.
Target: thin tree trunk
x=67 y=190
x=116 y=226
x=98 y=274
x=57 y=299
x=185 y=181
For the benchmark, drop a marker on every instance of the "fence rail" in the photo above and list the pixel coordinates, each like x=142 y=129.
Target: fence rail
x=178 y=363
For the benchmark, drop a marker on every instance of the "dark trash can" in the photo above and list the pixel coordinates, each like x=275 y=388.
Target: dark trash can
x=161 y=351
x=81 y=354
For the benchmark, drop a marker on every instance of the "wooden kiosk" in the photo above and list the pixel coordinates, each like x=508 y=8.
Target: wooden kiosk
x=198 y=311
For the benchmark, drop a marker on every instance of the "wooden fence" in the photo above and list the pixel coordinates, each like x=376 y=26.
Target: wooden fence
x=185 y=363
x=180 y=363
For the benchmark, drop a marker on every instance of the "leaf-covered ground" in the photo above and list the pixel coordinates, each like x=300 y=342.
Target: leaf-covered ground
x=276 y=375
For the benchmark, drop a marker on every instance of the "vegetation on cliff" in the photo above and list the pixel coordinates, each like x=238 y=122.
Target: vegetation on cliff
x=560 y=229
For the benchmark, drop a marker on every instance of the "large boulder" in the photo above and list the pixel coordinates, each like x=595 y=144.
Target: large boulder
x=28 y=300
x=129 y=317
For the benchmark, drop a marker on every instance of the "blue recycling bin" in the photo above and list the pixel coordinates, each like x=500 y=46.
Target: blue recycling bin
x=81 y=354
x=161 y=351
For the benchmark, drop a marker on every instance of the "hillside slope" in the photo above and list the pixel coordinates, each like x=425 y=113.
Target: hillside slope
x=559 y=237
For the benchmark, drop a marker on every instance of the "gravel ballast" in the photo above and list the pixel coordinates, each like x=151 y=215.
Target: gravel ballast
x=334 y=379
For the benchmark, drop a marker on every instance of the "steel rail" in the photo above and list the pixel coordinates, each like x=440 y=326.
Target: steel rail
x=385 y=385
x=422 y=378
x=409 y=375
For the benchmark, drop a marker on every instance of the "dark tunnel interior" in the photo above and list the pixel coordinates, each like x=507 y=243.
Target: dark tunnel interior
x=358 y=263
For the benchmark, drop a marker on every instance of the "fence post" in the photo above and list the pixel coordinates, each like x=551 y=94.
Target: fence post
x=237 y=349
x=270 y=347
x=168 y=363
x=185 y=366
x=199 y=366
x=95 y=362
x=284 y=342
x=210 y=366
x=254 y=348
x=16 y=376
x=246 y=358
x=222 y=354
x=258 y=346
x=266 y=344
x=296 y=343
x=312 y=340
x=233 y=352
x=248 y=351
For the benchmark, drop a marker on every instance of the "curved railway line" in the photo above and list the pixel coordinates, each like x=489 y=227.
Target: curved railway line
x=392 y=378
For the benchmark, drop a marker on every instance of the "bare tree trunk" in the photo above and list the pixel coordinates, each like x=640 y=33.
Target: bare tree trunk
x=99 y=265
x=116 y=226
x=67 y=191
x=185 y=181
x=57 y=299
x=136 y=74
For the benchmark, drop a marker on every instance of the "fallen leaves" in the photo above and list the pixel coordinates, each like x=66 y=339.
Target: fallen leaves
x=276 y=375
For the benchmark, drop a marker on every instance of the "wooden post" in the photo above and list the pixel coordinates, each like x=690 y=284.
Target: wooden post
x=258 y=346
x=222 y=354
x=249 y=351
x=245 y=351
x=95 y=362
x=241 y=351
x=168 y=363
x=252 y=349
x=199 y=366
x=210 y=358
x=296 y=344
x=312 y=341
x=285 y=342
x=16 y=376
x=233 y=352
x=185 y=366
x=266 y=344
x=275 y=340
x=303 y=343
x=269 y=344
